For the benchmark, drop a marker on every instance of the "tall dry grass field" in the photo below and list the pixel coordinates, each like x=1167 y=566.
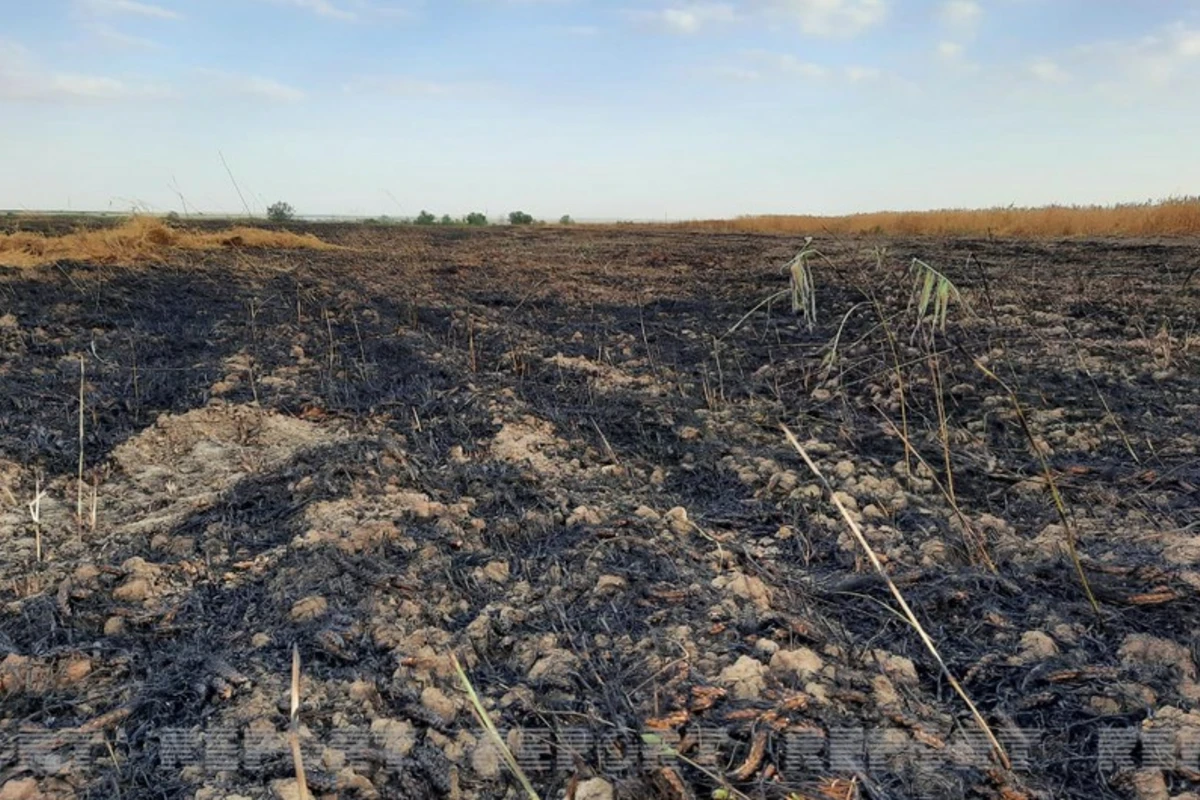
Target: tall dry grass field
x=1172 y=217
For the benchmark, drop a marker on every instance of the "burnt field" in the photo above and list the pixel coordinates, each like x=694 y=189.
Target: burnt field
x=555 y=455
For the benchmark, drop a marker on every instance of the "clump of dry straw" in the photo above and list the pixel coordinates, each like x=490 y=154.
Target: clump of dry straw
x=138 y=240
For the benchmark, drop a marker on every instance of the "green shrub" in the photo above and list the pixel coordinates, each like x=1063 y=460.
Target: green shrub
x=280 y=212
x=475 y=218
x=425 y=218
x=520 y=218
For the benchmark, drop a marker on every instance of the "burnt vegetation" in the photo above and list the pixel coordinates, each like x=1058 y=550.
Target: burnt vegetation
x=556 y=453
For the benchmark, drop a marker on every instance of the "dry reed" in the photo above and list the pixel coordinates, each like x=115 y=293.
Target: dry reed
x=1172 y=217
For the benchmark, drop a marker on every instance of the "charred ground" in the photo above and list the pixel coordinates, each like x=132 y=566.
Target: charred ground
x=543 y=451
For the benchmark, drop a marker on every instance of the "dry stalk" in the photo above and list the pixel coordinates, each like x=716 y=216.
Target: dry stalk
x=95 y=501
x=891 y=337
x=765 y=302
x=329 y=330
x=726 y=792
x=35 y=514
x=943 y=429
x=720 y=370
x=137 y=389
x=970 y=535
x=254 y=349
x=608 y=449
x=473 y=359
x=486 y=721
x=362 y=349
x=294 y=733
x=1059 y=505
x=997 y=748
x=79 y=482
x=1100 y=396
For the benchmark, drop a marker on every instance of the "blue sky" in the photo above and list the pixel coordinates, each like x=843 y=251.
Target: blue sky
x=619 y=109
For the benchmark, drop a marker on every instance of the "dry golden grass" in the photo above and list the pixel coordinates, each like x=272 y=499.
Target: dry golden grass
x=1173 y=217
x=138 y=240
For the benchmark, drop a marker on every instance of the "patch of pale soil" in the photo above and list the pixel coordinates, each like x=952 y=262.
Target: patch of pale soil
x=606 y=376
x=355 y=524
x=184 y=462
x=10 y=476
x=240 y=368
x=530 y=442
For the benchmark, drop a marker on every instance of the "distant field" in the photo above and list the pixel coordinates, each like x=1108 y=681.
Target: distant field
x=1171 y=217
x=1175 y=217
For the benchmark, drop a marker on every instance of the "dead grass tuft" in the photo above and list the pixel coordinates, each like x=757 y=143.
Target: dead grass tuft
x=138 y=240
x=1172 y=217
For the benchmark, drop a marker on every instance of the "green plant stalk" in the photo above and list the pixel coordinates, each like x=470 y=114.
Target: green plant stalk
x=801 y=288
x=935 y=288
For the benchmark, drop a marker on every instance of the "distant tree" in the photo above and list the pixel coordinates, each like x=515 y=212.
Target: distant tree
x=447 y=219
x=280 y=212
x=425 y=218
x=475 y=218
x=565 y=219
x=520 y=218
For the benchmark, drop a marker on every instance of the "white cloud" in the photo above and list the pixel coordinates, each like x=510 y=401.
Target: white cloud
x=738 y=73
x=22 y=78
x=961 y=14
x=861 y=74
x=405 y=85
x=1188 y=43
x=122 y=41
x=389 y=11
x=814 y=17
x=352 y=10
x=950 y=51
x=130 y=7
x=831 y=17
x=1045 y=69
x=953 y=56
x=788 y=64
x=577 y=30
x=1125 y=67
x=322 y=8
x=764 y=65
x=255 y=86
x=688 y=18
